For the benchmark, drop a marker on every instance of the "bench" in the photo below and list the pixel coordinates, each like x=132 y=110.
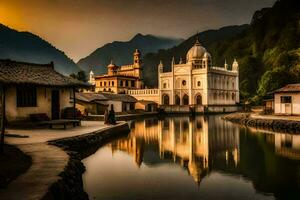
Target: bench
x=43 y=119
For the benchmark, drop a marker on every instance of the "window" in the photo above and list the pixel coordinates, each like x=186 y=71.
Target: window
x=132 y=84
x=183 y=82
x=101 y=84
x=126 y=83
x=199 y=83
x=121 y=83
x=165 y=85
x=112 y=83
x=104 y=83
x=26 y=97
x=286 y=99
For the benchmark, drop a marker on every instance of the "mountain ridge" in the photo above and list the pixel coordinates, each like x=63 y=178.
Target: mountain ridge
x=121 y=51
x=25 y=46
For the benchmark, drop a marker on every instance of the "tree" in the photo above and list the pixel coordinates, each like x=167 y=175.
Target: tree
x=81 y=76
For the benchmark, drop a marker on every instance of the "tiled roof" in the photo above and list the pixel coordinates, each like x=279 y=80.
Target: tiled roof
x=120 y=97
x=289 y=88
x=146 y=102
x=90 y=97
x=12 y=72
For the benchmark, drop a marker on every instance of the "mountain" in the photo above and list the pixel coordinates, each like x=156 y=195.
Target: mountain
x=209 y=39
x=268 y=50
x=121 y=52
x=27 y=47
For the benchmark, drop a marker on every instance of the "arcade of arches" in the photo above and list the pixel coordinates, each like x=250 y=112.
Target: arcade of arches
x=181 y=101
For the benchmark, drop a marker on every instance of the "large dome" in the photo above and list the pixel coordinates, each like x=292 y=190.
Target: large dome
x=196 y=52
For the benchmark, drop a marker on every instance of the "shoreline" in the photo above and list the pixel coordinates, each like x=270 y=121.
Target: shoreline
x=70 y=186
x=270 y=123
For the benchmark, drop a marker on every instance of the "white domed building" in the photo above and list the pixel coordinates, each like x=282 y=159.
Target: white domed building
x=199 y=84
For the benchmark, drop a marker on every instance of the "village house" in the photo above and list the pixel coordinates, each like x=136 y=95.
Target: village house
x=96 y=103
x=287 y=100
x=149 y=106
x=28 y=88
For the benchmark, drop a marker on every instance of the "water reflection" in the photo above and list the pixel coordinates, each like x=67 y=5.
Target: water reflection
x=193 y=143
x=207 y=148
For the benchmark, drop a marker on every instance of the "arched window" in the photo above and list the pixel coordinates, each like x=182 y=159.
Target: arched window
x=104 y=83
x=101 y=84
x=112 y=83
x=185 y=100
x=166 y=100
x=165 y=85
x=199 y=83
x=184 y=82
x=199 y=99
x=177 y=100
x=215 y=95
x=104 y=90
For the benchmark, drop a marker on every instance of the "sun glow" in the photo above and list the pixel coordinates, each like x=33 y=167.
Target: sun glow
x=10 y=17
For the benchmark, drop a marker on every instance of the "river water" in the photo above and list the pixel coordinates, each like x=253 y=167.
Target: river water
x=194 y=158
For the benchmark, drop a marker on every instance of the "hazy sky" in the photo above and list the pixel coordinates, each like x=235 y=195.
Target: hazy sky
x=80 y=26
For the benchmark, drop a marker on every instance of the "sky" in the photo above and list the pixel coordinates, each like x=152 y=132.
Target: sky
x=78 y=27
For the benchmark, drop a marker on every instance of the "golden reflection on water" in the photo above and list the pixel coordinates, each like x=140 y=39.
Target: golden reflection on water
x=189 y=142
x=170 y=157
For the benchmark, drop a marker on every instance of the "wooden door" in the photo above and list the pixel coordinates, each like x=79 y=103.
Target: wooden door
x=55 y=106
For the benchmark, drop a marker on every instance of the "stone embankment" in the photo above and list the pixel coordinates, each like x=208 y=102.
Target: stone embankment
x=274 y=124
x=70 y=186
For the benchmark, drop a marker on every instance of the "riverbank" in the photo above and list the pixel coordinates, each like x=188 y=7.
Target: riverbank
x=123 y=117
x=55 y=172
x=13 y=163
x=78 y=148
x=285 y=124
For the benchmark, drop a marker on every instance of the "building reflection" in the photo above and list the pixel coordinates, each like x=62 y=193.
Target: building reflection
x=287 y=145
x=193 y=143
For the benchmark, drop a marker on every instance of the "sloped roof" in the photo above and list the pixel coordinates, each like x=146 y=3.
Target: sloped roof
x=90 y=97
x=146 y=102
x=289 y=88
x=120 y=97
x=13 y=72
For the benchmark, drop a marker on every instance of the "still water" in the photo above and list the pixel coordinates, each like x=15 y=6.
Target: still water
x=195 y=158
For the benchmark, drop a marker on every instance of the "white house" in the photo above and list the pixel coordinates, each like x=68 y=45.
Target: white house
x=287 y=100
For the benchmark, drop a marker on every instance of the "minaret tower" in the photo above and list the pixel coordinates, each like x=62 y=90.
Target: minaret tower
x=235 y=68
x=160 y=70
x=137 y=63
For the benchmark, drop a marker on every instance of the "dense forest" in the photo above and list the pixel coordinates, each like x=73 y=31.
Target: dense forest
x=267 y=50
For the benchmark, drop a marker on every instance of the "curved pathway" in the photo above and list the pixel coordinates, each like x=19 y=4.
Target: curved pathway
x=47 y=161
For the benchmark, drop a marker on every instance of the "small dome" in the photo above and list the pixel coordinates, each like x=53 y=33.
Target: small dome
x=137 y=52
x=111 y=65
x=207 y=55
x=196 y=52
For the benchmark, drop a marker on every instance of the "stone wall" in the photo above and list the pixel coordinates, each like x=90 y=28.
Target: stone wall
x=285 y=126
